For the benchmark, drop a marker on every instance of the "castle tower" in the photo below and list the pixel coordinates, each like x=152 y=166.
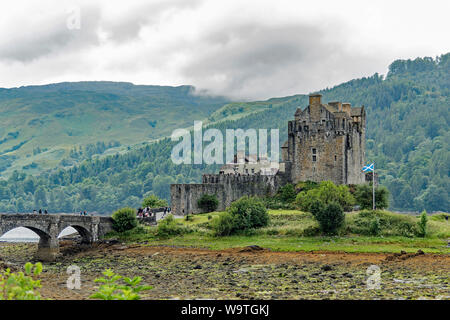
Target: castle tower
x=326 y=142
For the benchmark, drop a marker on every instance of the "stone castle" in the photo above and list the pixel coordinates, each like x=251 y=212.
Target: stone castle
x=325 y=142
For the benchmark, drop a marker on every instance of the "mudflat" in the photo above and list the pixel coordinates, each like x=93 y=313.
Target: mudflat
x=242 y=273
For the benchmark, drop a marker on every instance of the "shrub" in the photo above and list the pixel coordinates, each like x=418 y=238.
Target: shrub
x=124 y=219
x=169 y=227
x=422 y=224
x=287 y=193
x=153 y=201
x=276 y=203
x=364 y=197
x=327 y=193
x=243 y=214
x=330 y=217
x=21 y=285
x=306 y=185
x=111 y=287
x=208 y=203
x=374 y=223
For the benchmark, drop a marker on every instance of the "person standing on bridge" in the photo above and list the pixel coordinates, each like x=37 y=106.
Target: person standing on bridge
x=45 y=211
x=40 y=211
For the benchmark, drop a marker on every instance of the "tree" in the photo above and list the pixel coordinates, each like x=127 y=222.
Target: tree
x=422 y=224
x=327 y=192
x=364 y=197
x=330 y=217
x=153 y=201
x=208 y=203
x=124 y=219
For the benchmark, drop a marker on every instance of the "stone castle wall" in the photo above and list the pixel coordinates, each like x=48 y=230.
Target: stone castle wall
x=227 y=188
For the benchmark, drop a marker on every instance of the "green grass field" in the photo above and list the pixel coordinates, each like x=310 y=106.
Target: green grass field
x=286 y=232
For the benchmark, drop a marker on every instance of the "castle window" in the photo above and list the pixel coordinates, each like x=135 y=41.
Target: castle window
x=253 y=170
x=314 y=158
x=335 y=158
x=314 y=152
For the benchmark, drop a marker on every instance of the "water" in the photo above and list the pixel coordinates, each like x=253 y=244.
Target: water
x=26 y=235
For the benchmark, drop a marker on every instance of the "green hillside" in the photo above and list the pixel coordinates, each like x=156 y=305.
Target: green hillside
x=407 y=138
x=40 y=125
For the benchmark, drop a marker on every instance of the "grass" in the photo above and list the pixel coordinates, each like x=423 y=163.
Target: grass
x=286 y=233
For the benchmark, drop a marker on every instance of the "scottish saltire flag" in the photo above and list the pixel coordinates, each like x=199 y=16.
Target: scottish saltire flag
x=368 y=168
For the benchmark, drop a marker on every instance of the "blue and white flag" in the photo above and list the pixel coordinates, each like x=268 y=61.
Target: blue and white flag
x=368 y=168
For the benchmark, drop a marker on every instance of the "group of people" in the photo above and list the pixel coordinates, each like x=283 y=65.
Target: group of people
x=83 y=213
x=40 y=211
x=148 y=212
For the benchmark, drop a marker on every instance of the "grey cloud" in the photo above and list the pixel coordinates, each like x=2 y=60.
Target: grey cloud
x=43 y=38
x=128 y=26
x=254 y=61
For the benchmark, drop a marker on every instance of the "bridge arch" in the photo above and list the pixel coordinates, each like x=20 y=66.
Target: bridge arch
x=83 y=231
x=41 y=233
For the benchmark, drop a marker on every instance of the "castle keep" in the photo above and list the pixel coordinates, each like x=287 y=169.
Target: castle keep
x=325 y=142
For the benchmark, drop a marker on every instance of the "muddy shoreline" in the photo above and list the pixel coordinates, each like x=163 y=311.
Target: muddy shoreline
x=241 y=273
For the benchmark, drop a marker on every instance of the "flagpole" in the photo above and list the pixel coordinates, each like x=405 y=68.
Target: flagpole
x=373 y=187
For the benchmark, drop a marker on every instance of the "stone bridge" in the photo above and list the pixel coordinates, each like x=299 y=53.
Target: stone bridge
x=49 y=227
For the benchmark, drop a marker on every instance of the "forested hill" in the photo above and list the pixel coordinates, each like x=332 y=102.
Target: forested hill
x=40 y=126
x=407 y=138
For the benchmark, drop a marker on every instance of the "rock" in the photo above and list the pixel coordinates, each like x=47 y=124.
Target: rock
x=347 y=275
x=420 y=252
x=252 y=248
x=326 y=267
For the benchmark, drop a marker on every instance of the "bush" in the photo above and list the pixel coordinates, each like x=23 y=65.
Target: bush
x=374 y=223
x=153 y=201
x=124 y=219
x=422 y=224
x=276 y=203
x=243 y=214
x=364 y=197
x=327 y=193
x=287 y=193
x=169 y=227
x=306 y=185
x=21 y=285
x=330 y=217
x=208 y=203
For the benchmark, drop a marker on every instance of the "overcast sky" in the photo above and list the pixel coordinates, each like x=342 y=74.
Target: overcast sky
x=242 y=49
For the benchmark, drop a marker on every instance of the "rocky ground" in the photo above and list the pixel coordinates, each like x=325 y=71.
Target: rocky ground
x=246 y=273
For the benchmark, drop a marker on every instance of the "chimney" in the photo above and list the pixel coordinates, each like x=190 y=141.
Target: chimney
x=347 y=107
x=314 y=99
